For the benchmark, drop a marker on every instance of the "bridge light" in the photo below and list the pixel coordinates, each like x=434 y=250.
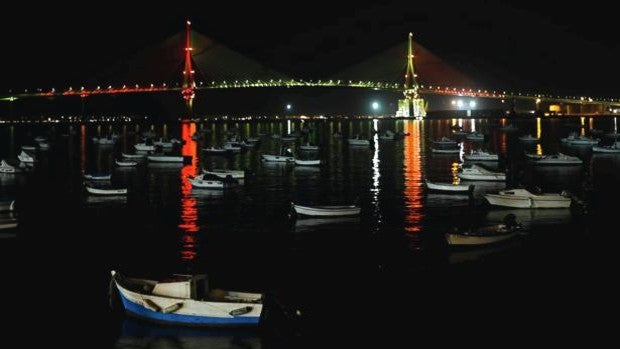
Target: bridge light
x=459 y=103
x=375 y=105
x=472 y=104
x=289 y=106
x=453 y=102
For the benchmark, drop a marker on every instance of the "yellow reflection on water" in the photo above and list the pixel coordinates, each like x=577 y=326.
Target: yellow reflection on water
x=583 y=126
x=454 y=169
x=413 y=177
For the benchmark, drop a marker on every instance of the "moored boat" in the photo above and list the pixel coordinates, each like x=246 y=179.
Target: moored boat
x=7 y=168
x=235 y=174
x=445 y=151
x=7 y=206
x=358 y=141
x=307 y=162
x=98 y=177
x=606 y=149
x=481 y=155
x=100 y=191
x=186 y=300
x=133 y=156
x=559 y=159
x=478 y=173
x=200 y=182
x=144 y=147
x=528 y=139
x=521 y=198
x=125 y=163
x=326 y=211
x=164 y=158
x=25 y=157
x=485 y=235
x=449 y=187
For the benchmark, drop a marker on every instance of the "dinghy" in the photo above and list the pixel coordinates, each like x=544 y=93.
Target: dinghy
x=98 y=191
x=521 y=198
x=445 y=141
x=528 y=139
x=606 y=149
x=97 y=177
x=475 y=136
x=235 y=174
x=449 y=187
x=307 y=162
x=486 y=235
x=326 y=211
x=214 y=150
x=126 y=163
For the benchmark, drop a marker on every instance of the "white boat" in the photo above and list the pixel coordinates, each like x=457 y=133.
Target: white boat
x=214 y=150
x=445 y=141
x=44 y=145
x=559 y=159
x=125 y=163
x=25 y=157
x=186 y=300
x=446 y=151
x=144 y=147
x=201 y=183
x=7 y=206
x=100 y=177
x=99 y=191
x=326 y=211
x=163 y=144
x=288 y=138
x=277 y=158
x=235 y=174
x=232 y=147
x=6 y=168
x=308 y=147
x=528 y=139
x=606 y=149
x=475 y=136
x=478 y=173
x=29 y=147
x=164 y=158
x=133 y=156
x=359 y=142
x=483 y=236
x=8 y=224
x=579 y=140
x=521 y=198
x=449 y=187
x=307 y=162
x=481 y=155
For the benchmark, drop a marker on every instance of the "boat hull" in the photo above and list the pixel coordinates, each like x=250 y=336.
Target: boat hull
x=526 y=202
x=469 y=240
x=277 y=158
x=336 y=211
x=449 y=188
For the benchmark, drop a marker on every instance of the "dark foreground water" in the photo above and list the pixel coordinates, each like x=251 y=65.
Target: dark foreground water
x=386 y=278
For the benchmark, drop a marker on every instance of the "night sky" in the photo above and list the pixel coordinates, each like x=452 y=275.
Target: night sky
x=513 y=45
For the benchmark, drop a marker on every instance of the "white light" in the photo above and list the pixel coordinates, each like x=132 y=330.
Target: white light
x=375 y=105
x=472 y=104
x=459 y=103
x=453 y=102
x=288 y=107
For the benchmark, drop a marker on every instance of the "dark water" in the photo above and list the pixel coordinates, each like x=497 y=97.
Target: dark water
x=387 y=276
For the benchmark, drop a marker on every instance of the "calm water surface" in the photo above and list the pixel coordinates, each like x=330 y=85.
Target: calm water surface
x=365 y=272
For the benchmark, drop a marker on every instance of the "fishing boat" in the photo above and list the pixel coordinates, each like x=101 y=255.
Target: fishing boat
x=98 y=177
x=99 y=191
x=6 y=168
x=481 y=155
x=25 y=157
x=449 y=187
x=201 y=183
x=558 y=159
x=164 y=158
x=307 y=162
x=125 y=163
x=486 y=235
x=186 y=300
x=235 y=174
x=326 y=211
x=521 y=198
x=478 y=173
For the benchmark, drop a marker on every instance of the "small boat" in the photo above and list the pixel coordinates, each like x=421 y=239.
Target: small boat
x=534 y=156
x=25 y=157
x=579 y=140
x=606 y=149
x=326 y=211
x=308 y=147
x=277 y=158
x=163 y=144
x=8 y=224
x=186 y=300
x=165 y=158
x=478 y=173
x=358 y=141
x=481 y=155
x=29 y=147
x=97 y=177
x=125 y=163
x=486 y=235
x=99 y=191
x=307 y=162
x=214 y=150
x=388 y=135
x=44 y=145
x=449 y=187
x=144 y=147
x=235 y=174
x=521 y=198
x=475 y=136
x=559 y=159
x=7 y=206
x=232 y=147
x=202 y=183
x=528 y=139
x=445 y=141
x=446 y=151
x=133 y=156
x=6 y=168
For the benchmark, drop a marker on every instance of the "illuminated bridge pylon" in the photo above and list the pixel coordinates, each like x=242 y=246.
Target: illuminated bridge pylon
x=413 y=104
x=189 y=84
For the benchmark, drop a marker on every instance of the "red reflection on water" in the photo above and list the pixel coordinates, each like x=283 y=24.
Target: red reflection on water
x=413 y=177
x=189 y=212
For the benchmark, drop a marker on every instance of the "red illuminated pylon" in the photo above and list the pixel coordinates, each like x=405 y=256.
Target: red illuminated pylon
x=188 y=73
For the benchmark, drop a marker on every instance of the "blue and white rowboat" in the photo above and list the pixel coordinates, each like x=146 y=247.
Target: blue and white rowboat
x=177 y=301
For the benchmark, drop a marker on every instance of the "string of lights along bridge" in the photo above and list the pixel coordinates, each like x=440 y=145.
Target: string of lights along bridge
x=412 y=105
